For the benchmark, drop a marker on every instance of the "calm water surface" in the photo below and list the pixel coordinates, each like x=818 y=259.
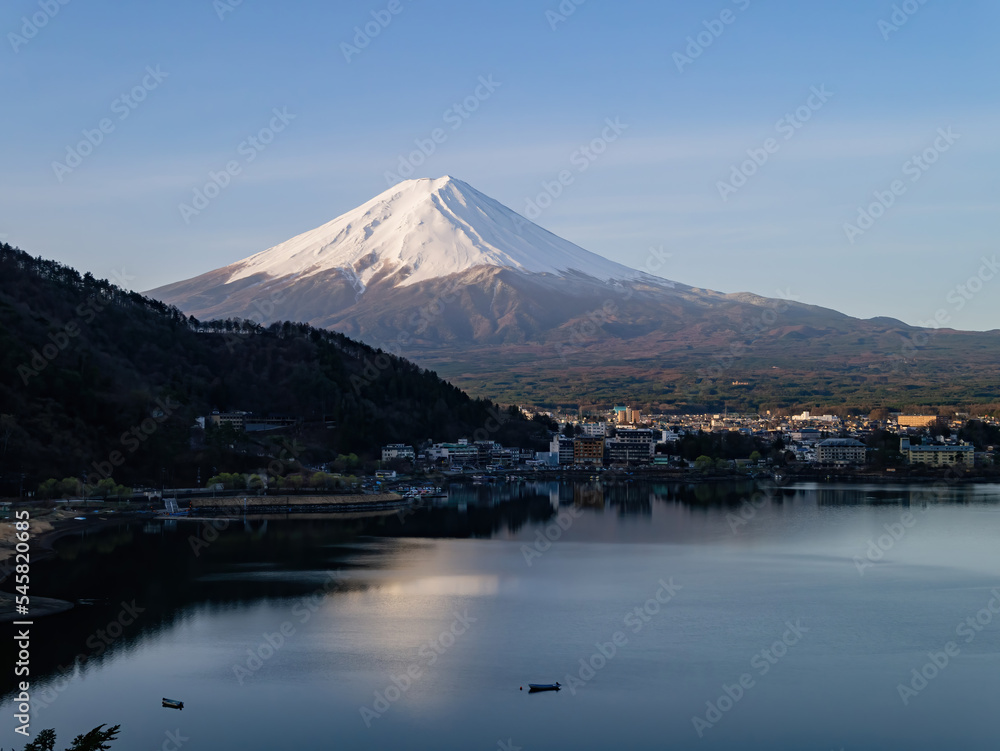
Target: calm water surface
x=676 y=618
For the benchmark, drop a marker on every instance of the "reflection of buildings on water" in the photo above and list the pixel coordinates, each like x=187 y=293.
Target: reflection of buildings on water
x=494 y=494
x=625 y=497
x=639 y=498
x=705 y=494
x=589 y=495
x=847 y=497
x=632 y=499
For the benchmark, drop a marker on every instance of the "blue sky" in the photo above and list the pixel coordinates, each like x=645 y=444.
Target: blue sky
x=212 y=74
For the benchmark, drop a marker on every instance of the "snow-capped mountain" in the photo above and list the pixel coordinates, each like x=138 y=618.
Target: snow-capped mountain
x=418 y=242
x=437 y=271
x=426 y=229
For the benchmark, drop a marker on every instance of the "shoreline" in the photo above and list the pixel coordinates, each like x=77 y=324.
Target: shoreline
x=41 y=543
x=294 y=504
x=831 y=476
x=56 y=523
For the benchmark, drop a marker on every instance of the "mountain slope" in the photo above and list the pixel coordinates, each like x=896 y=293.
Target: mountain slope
x=438 y=272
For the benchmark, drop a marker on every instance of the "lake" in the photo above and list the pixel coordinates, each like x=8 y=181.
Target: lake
x=675 y=616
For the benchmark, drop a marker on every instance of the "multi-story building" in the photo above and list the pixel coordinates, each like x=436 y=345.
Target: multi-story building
x=938 y=455
x=237 y=420
x=627 y=416
x=588 y=451
x=809 y=417
x=840 y=451
x=916 y=421
x=398 y=451
x=631 y=446
x=644 y=436
x=593 y=429
x=563 y=448
x=461 y=454
x=486 y=451
x=624 y=452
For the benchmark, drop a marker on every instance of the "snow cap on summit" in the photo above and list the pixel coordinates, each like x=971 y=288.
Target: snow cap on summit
x=424 y=229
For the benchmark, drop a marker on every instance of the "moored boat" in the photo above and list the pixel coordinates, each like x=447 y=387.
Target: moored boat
x=544 y=687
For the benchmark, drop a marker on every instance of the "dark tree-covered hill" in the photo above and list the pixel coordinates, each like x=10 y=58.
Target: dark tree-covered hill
x=94 y=375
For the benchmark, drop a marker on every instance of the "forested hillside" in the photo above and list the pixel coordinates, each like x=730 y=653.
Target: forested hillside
x=94 y=375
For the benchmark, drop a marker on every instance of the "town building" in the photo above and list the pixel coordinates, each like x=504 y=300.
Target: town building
x=806 y=435
x=547 y=458
x=627 y=416
x=593 y=429
x=809 y=417
x=237 y=420
x=840 y=452
x=247 y=422
x=938 y=455
x=562 y=447
x=916 y=421
x=588 y=451
x=398 y=451
x=485 y=451
x=631 y=445
x=461 y=454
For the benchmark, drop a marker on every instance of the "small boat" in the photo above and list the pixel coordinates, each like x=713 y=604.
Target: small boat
x=544 y=687
x=173 y=704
